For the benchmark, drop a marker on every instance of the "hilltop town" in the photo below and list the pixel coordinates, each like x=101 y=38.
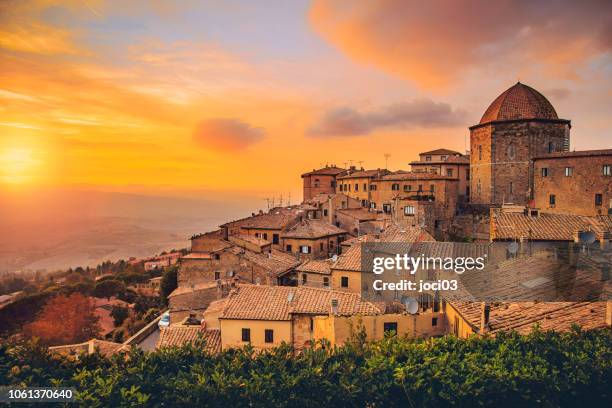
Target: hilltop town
x=294 y=274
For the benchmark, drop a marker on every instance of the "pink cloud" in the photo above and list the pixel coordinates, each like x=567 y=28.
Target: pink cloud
x=226 y=134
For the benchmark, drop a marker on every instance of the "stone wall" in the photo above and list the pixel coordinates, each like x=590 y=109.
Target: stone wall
x=574 y=194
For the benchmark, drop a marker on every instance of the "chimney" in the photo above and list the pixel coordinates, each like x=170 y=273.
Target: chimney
x=330 y=211
x=203 y=324
x=609 y=313
x=334 y=306
x=484 y=318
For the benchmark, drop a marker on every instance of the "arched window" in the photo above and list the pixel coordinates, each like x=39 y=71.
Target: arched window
x=511 y=152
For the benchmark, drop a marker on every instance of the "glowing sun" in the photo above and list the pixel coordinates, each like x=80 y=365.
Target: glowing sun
x=17 y=165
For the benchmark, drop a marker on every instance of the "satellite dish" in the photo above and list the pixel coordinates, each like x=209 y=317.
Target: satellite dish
x=411 y=304
x=334 y=257
x=587 y=237
x=513 y=248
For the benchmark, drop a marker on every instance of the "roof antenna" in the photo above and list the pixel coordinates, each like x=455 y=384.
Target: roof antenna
x=387 y=155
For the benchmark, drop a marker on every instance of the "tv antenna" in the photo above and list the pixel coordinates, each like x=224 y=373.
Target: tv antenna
x=387 y=155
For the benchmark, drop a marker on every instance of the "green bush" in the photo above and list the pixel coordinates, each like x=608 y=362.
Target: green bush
x=543 y=369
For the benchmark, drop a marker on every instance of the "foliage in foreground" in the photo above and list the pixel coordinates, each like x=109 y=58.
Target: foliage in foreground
x=542 y=369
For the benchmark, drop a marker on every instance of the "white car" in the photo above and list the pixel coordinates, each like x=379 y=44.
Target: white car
x=165 y=320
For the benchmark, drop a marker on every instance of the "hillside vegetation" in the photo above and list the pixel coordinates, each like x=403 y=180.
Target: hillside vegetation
x=544 y=369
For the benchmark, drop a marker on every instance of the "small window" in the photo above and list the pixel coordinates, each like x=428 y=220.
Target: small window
x=427 y=158
x=420 y=187
x=552 y=200
x=269 y=336
x=217 y=257
x=511 y=188
x=289 y=249
x=305 y=249
x=325 y=213
x=598 y=200
x=409 y=210
x=373 y=205
x=356 y=187
x=544 y=171
x=257 y=235
x=551 y=147
x=606 y=170
x=569 y=171
x=449 y=172
x=479 y=152
x=217 y=275
x=390 y=327
x=275 y=239
x=387 y=208
x=372 y=187
x=304 y=278
x=326 y=282
x=265 y=236
x=365 y=187
x=344 y=281
x=434 y=321
x=442 y=158
x=246 y=334
x=395 y=187
x=510 y=152
x=431 y=188
x=321 y=246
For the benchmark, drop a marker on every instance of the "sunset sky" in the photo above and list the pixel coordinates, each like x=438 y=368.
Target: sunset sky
x=199 y=97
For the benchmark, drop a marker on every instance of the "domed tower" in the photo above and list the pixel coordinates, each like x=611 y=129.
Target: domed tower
x=519 y=125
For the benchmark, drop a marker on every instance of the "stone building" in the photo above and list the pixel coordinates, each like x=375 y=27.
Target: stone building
x=520 y=124
x=448 y=163
x=356 y=183
x=313 y=239
x=577 y=183
x=439 y=190
x=320 y=181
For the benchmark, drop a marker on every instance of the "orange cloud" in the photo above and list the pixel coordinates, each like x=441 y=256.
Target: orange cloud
x=434 y=42
x=226 y=134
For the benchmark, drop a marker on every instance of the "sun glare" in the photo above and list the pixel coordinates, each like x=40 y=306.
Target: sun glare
x=17 y=165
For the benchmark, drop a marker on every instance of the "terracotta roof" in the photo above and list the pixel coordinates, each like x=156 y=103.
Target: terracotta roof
x=311 y=229
x=409 y=175
x=350 y=260
x=197 y=255
x=439 y=151
x=519 y=102
x=322 y=267
x=545 y=226
x=364 y=174
x=179 y=335
x=581 y=153
x=275 y=261
x=540 y=276
x=522 y=316
x=106 y=348
x=276 y=218
x=327 y=170
x=252 y=239
x=254 y=302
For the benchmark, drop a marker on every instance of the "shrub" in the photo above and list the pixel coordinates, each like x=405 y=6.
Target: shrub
x=544 y=369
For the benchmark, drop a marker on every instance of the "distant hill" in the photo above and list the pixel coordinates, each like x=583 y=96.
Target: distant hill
x=57 y=229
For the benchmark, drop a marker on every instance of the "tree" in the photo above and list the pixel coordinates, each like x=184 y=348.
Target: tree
x=108 y=288
x=65 y=320
x=168 y=283
x=119 y=314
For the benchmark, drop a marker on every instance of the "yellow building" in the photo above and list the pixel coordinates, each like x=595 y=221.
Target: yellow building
x=356 y=183
x=446 y=163
x=266 y=316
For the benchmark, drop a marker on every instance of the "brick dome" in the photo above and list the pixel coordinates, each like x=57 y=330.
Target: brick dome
x=519 y=102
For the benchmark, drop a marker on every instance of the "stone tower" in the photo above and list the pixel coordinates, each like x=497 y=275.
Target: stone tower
x=519 y=125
